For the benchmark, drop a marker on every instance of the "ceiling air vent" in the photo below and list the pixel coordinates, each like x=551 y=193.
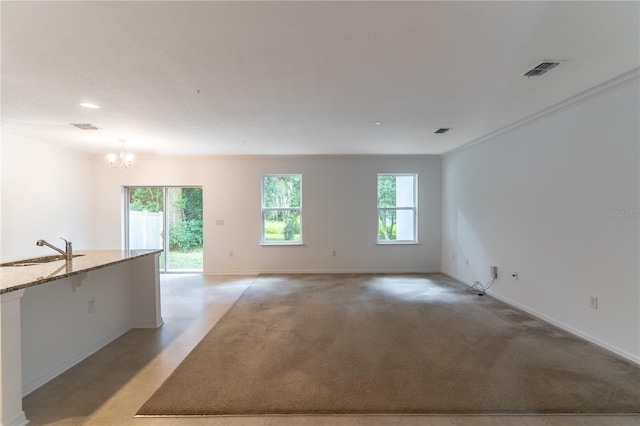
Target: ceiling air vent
x=442 y=130
x=541 y=68
x=85 y=126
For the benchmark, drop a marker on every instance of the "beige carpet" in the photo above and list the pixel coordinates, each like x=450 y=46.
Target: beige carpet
x=361 y=344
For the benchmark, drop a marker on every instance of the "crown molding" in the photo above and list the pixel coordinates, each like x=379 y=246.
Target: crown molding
x=586 y=96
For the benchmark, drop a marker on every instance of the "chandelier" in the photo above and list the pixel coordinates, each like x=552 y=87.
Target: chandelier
x=126 y=159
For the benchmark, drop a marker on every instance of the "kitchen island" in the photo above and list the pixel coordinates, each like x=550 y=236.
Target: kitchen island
x=53 y=315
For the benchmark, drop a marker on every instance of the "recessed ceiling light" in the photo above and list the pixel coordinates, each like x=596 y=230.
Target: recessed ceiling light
x=89 y=105
x=377 y=123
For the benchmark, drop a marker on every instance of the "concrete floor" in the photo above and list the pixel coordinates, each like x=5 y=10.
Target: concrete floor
x=111 y=385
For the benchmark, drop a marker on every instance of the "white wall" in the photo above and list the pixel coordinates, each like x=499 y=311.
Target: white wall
x=1 y=180
x=46 y=194
x=339 y=211
x=49 y=192
x=535 y=200
x=57 y=329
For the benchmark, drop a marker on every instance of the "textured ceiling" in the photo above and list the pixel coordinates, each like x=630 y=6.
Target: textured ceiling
x=192 y=78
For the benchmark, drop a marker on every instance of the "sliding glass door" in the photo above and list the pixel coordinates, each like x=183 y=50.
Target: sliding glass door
x=145 y=218
x=184 y=223
x=169 y=218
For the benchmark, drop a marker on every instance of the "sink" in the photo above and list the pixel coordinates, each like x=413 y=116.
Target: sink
x=38 y=260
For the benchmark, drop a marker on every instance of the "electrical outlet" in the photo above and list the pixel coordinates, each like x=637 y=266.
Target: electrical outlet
x=515 y=276
x=230 y=254
x=494 y=272
x=467 y=262
x=334 y=253
x=92 y=306
x=219 y=222
x=593 y=302
x=453 y=256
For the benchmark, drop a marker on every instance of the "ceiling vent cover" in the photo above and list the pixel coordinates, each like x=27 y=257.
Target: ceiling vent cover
x=541 y=68
x=442 y=130
x=85 y=126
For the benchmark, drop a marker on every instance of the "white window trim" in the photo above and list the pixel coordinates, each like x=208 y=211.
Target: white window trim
x=414 y=241
x=264 y=209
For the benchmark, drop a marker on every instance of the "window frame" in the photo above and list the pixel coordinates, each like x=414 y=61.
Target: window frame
x=396 y=208
x=264 y=210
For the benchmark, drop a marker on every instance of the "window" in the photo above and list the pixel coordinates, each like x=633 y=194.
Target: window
x=282 y=209
x=397 y=208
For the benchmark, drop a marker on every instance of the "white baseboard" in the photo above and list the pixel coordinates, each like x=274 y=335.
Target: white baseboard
x=325 y=271
x=18 y=420
x=458 y=278
x=33 y=383
x=232 y=274
x=148 y=324
x=620 y=352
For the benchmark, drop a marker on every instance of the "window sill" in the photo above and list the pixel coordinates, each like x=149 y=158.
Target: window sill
x=281 y=244
x=396 y=243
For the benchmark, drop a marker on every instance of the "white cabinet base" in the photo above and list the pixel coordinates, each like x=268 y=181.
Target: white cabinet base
x=11 y=413
x=45 y=329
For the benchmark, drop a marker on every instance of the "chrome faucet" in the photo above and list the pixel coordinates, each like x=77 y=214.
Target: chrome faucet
x=68 y=252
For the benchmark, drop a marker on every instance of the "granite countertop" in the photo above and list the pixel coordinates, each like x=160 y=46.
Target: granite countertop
x=14 y=278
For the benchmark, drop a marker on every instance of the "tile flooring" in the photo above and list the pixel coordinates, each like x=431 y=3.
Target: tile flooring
x=109 y=387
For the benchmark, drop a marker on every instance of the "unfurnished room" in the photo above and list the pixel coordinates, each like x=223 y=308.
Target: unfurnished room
x=289 y=213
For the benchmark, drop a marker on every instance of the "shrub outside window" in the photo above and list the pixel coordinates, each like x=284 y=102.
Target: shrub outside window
x=397 y=208
x=281 y=209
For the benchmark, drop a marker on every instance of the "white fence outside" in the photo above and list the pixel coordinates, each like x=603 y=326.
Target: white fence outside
x=145 y=230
